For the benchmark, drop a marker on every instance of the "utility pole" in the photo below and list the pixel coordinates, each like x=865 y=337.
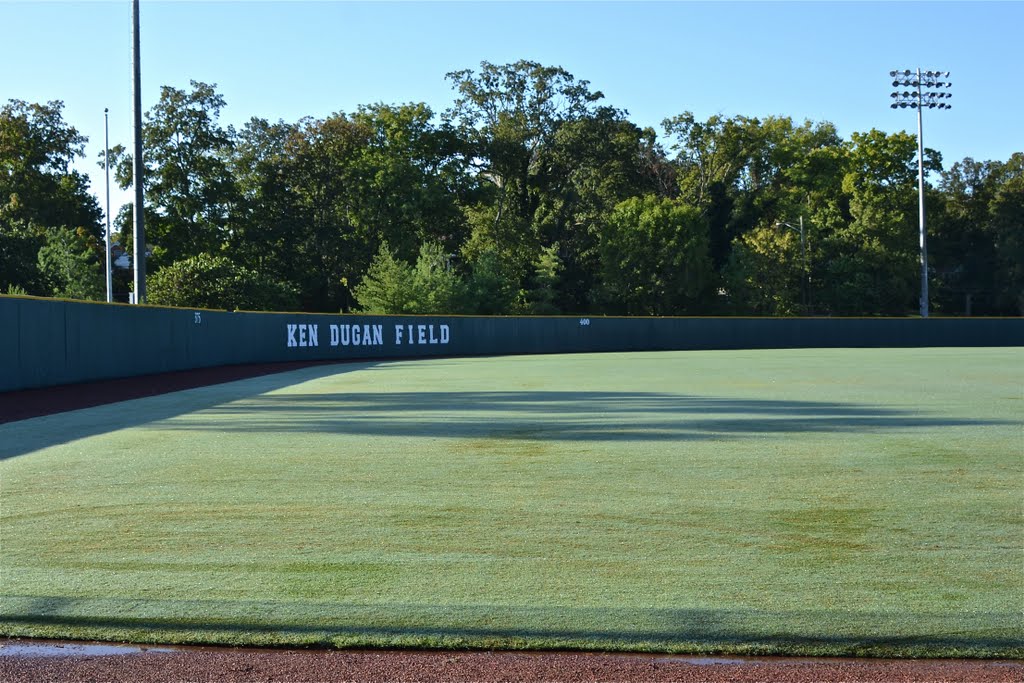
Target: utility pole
x=137 y=164
x=921 y=99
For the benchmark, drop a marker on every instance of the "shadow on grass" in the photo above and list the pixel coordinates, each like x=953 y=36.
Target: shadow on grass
x=553 y=416
x=249 y=406
x=817 y=632
x=26 y=436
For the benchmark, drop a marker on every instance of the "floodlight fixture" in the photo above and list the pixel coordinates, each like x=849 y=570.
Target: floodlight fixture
x=921 y=99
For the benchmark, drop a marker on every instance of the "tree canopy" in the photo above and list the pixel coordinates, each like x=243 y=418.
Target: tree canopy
x=529 y=194
x=50 y=225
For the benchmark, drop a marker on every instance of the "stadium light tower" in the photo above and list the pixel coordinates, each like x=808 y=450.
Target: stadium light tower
x=927 y=92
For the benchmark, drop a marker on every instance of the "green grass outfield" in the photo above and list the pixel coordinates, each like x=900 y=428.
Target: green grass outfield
x=829 y=502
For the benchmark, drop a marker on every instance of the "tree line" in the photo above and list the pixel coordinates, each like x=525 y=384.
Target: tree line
x=528 y=195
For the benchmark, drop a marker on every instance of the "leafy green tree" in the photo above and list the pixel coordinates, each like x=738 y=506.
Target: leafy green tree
x=208 y=281
x=385 y=288
x=592 y=164
x=37 y=184
x=69 y=267
x=553 y=164
x=509 y=115
x=708 y=154
x=869 y=263
x=743 y=172
x=710 y=157
x=1007 y=216
x=765 y=273
x=393 y=286
x=264 y=223
x=543 y=296
x=19 y=248
x=413 y=175
x=40 y=196
x=382 y=174
x=491 y=288
x=971 y=234
x=189 y=188
x=436 y=286
x=324 y=249
x=654 y=258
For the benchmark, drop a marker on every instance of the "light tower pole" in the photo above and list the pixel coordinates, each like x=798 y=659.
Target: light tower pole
x=106 y=167
x=927 y=93
x=139 y=261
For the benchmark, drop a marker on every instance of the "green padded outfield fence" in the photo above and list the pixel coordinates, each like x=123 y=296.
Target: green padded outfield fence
x=47 y=342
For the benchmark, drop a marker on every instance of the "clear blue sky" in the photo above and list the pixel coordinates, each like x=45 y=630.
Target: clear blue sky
x=285 y=60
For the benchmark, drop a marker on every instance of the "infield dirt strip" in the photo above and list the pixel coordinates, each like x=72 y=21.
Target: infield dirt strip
x=31 y=660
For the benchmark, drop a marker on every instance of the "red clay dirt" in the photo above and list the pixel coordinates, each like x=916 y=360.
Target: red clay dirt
x=24 y=661
x=221 y=664
x=21 y=405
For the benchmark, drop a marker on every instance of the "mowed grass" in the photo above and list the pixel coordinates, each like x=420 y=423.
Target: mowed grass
x=830 y=502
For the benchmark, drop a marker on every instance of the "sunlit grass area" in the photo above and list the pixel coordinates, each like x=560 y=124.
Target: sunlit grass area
x=793 y=502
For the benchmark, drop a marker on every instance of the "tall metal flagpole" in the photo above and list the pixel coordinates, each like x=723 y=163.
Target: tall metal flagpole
x=137 y=163
x=106 y=166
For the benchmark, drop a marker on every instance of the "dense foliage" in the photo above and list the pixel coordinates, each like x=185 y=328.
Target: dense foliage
x=207 y=281
x=528 y=195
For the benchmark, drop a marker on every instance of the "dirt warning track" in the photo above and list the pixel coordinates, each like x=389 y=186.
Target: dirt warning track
x=33 y=661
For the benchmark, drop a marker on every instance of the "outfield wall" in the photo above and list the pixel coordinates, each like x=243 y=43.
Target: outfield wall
x=46 y=342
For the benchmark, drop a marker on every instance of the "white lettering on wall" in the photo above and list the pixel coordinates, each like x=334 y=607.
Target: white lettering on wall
x=308 y=335
x=421 y=334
